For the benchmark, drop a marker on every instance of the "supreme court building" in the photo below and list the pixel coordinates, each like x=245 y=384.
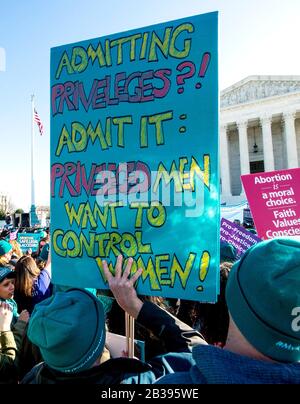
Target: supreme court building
x=259 y=130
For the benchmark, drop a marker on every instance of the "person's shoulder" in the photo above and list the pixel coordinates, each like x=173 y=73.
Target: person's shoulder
x=175 y=378
x=32 y=377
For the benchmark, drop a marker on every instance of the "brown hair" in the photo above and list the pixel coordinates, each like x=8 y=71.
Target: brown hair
x=26 y=273
x=212 y=320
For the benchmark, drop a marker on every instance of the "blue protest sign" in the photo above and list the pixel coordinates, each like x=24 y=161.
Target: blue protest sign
x=29 y=241
x=134 y=158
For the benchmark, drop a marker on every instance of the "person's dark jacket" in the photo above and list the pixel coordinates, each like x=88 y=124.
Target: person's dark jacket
x=41 y=290
x=177 y=337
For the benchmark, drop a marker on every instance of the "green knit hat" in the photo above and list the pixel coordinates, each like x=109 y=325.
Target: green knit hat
x=69 y=329
x=263 y=298
x=227 y=252
x=5 y=247
x=6 y=273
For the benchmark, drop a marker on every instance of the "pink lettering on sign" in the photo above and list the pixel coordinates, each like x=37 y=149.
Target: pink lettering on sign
x=274 y=199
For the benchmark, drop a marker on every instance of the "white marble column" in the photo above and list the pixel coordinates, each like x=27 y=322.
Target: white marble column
x=224 y=161
x=290 y=139
x=244 y=148
x=266 y=123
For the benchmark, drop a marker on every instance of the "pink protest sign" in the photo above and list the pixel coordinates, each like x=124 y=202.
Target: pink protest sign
x=274 y=199
x=13 y=235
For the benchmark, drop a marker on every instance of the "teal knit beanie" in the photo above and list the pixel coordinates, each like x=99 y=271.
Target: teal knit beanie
x=69 y=329
x=42 y=234
x=5 y=247
x=227 y=252
x=263 y=298
x=6 y=272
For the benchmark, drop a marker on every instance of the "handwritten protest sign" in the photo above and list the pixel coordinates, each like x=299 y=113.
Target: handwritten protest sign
x=236 y=235
x=28 y=241
x=274 y=199
x=134 y=158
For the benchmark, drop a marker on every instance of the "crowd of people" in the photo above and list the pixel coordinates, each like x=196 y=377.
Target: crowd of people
x=51 y=334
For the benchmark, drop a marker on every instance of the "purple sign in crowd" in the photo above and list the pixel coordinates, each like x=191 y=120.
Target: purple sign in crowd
x=236 y=235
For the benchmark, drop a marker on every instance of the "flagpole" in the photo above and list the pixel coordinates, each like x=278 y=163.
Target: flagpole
x=33 y=216
x=32 y=151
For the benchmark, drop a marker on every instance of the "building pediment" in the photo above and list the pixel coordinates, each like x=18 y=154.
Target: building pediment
x=254 y=88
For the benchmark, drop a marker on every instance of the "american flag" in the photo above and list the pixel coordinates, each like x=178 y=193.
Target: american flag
x=37 y=119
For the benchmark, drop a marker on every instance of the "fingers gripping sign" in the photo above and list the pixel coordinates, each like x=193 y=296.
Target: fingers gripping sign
x=122 y=286
x=6 y=315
